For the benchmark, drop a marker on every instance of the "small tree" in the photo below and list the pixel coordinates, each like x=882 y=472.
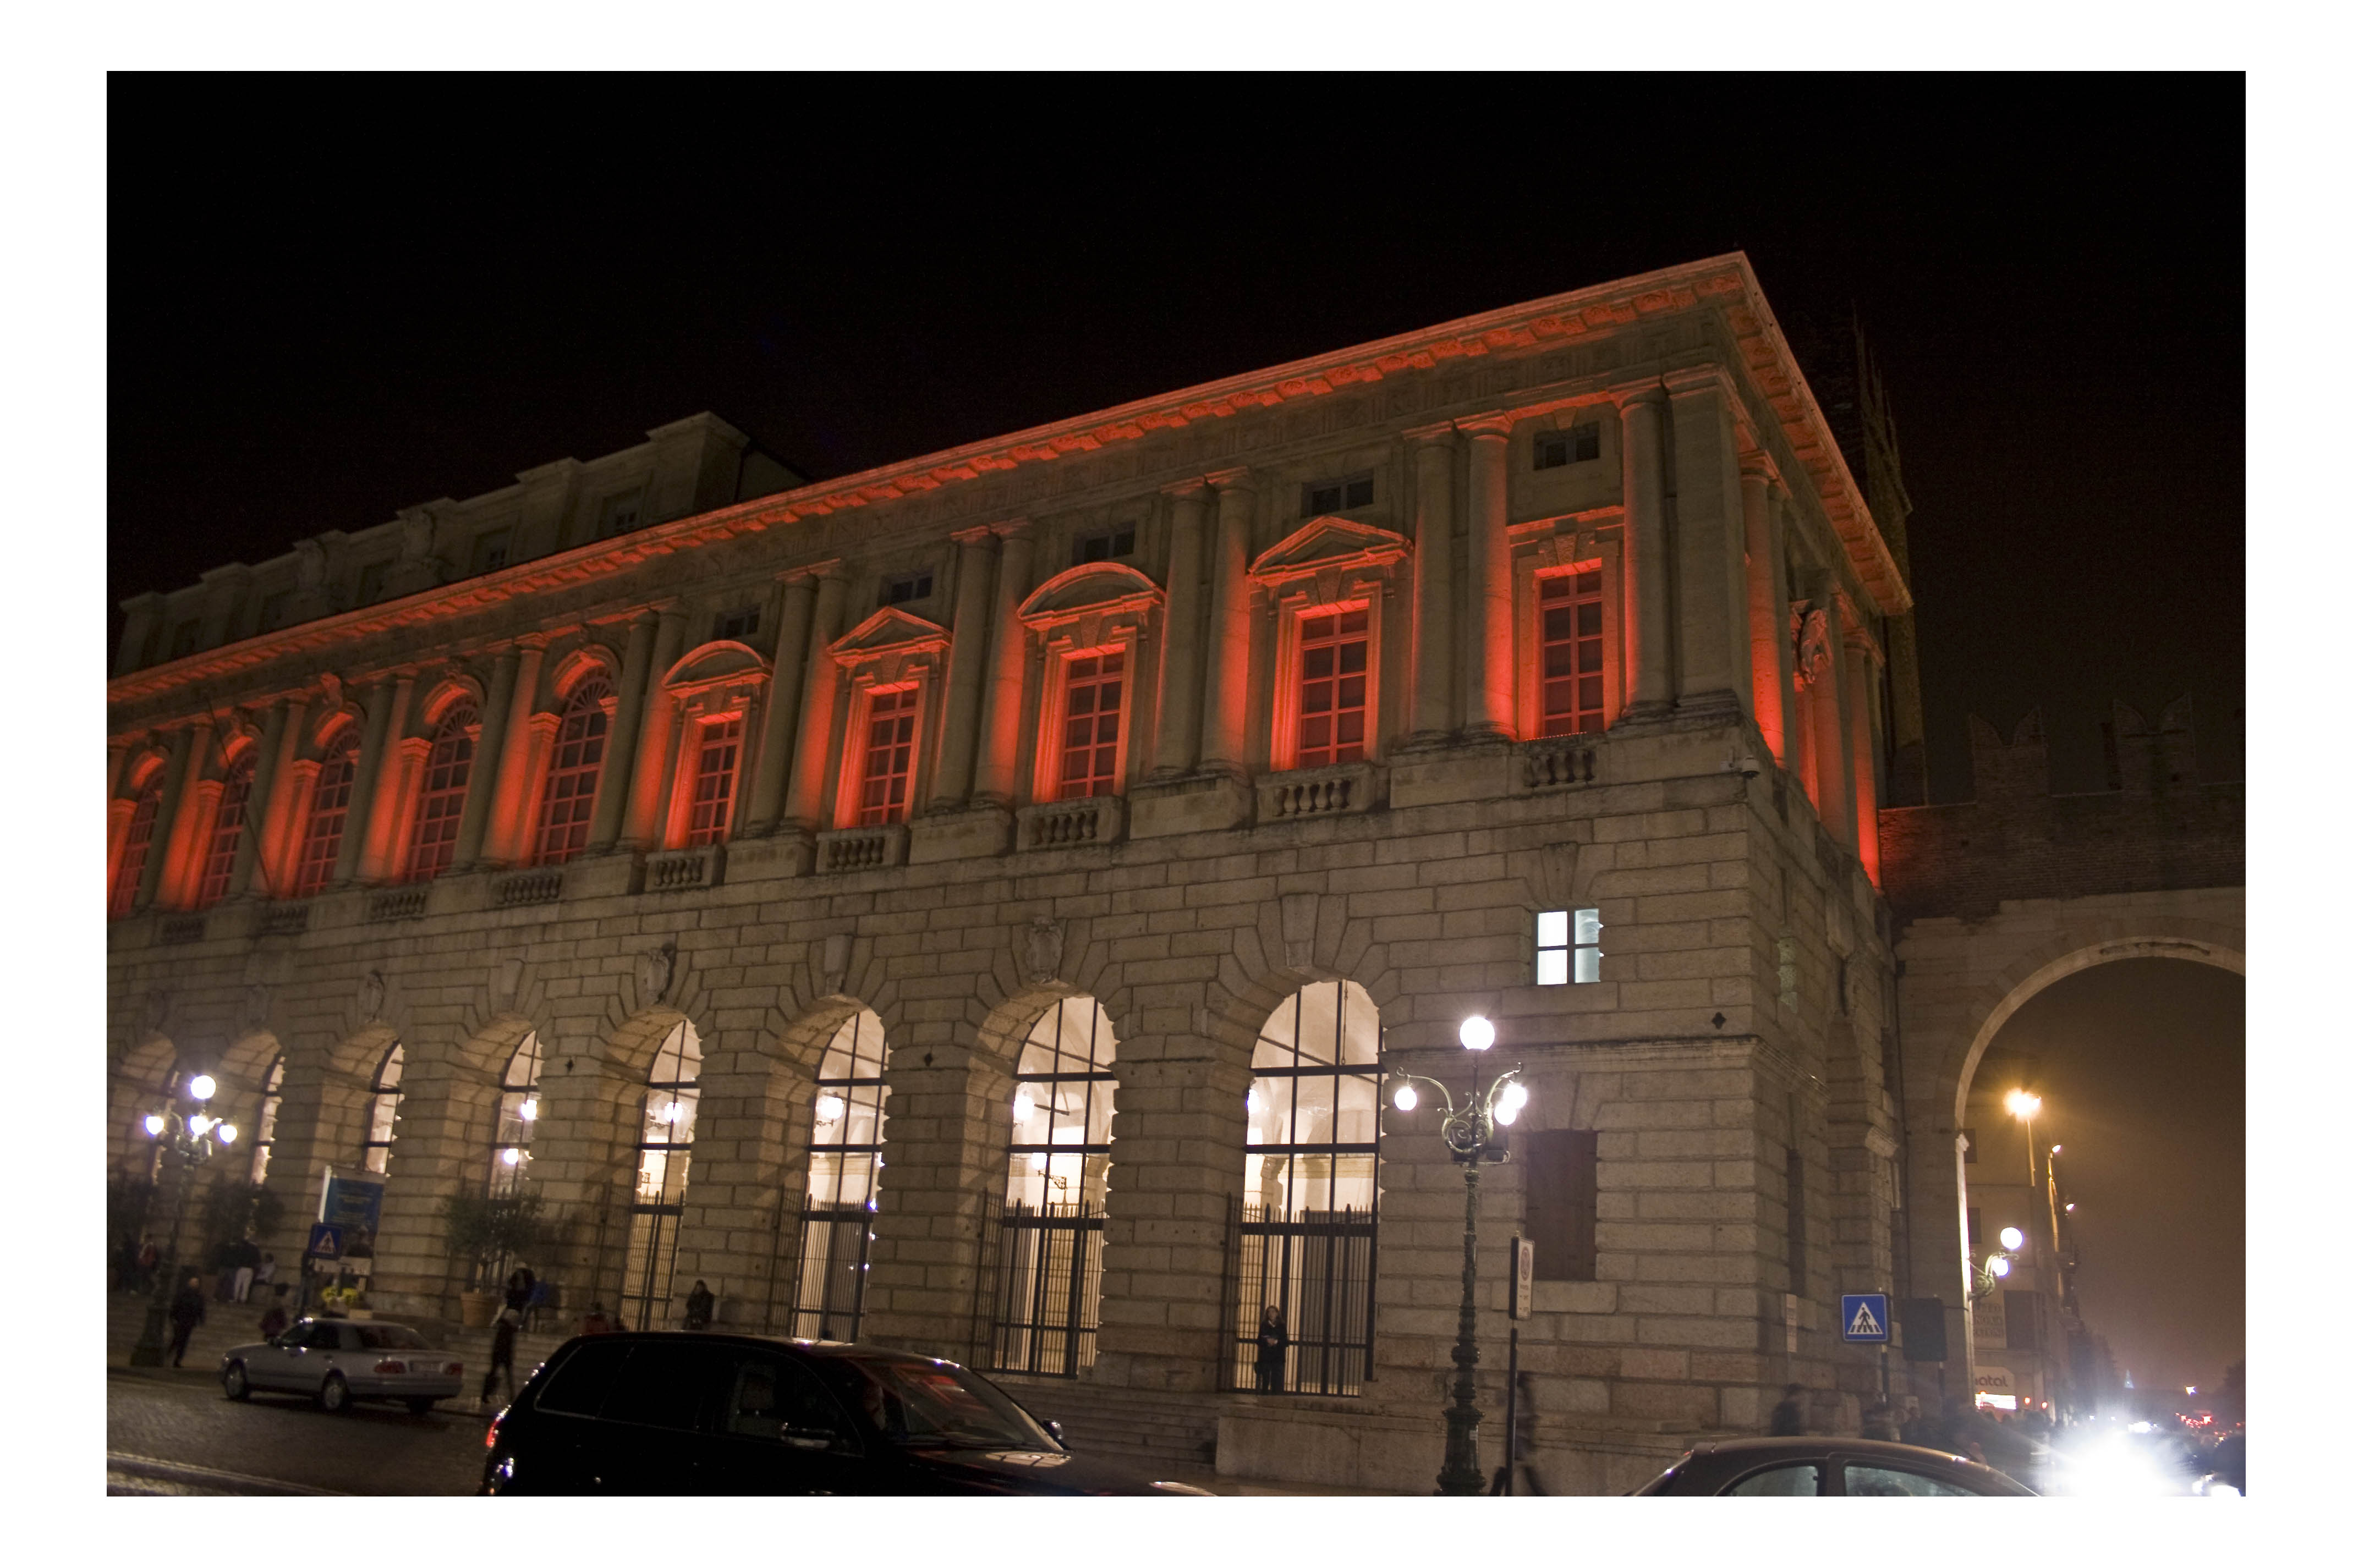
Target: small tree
x=484 y=1232
x=234 y=1210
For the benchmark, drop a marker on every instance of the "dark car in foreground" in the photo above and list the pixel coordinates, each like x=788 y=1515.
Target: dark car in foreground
x=686 y=1414
x=1827 y=1467
x=335 y=1362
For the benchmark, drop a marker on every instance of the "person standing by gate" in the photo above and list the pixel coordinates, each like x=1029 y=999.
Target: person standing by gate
x=502 y=1338
x=188 y=1312
x=699 y=1304
x=1273 y=1340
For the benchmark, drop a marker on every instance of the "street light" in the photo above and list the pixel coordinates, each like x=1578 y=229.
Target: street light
x=1470 y=1138
x=186 y=1138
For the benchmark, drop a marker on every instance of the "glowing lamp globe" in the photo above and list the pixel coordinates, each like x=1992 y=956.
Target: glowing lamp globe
x=1477 y=1033
x=1507 y=1110
x=202 y=1086
x=2001 y=1267
x=2013 y=1238
x=227 y=1134
x=154 y=1125
x=1405 y=1099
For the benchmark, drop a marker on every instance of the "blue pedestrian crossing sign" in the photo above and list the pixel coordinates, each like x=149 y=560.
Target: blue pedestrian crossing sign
x=1863 y=1318
x=326 y=1241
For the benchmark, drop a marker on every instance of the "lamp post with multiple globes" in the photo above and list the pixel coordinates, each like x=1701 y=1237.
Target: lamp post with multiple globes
x=186 y=1135
x=1471 y=1137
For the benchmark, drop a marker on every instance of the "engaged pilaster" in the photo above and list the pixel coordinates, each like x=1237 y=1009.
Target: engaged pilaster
x=1487 y=686
x=621 y=744
x=1000 y=724
x=1226 y=698
x=1433 y=583
x=1711 y=582
x=967 y=655
x=1176 y=748
x=800 y=594
x=1769 y=607
x=1650 y=689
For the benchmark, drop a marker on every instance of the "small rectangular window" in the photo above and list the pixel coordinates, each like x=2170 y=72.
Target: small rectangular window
x=184 y=639
x=907 y=588
x=1344 y=494
x=889 y=757
x=491 y=551
x=1568 y=946
x=273 y=610
x=1107 y=546
x=1568 y=612
x=1559 y=448
x=734 y=626
x=371 y=584
x=619 y=513
x=1091 y=709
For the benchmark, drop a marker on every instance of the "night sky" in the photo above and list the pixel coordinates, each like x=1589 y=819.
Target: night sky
x=327 y=303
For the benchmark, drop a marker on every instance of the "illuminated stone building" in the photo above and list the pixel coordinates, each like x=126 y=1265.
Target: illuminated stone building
x=969 y=904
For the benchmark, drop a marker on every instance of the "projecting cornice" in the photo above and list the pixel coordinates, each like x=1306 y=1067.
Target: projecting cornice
x=1722 y=282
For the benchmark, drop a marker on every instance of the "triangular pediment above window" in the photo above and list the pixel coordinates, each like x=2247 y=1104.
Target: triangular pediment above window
x=888 y=630
x=1325 y=543
x=716 y=661
x=1097 y=586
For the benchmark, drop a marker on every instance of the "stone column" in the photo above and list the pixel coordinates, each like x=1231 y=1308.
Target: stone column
x=506 y=839
x=1175 y=749
x=177 y=846
x=1651 y=688
x=1833 y=786
x=1000 y=724
x=820 y=689
x=1487 y=683
x=167 y=808
x=1863 y=751
x=263 y=806
x=489 y=766
x=656 y=728
x=783 y=707
x=1226 y=700
x=368 y=852
x=621 y=741
x=967 y=656
x=1711 y=582
x=1769 y=610
x=1433 y=583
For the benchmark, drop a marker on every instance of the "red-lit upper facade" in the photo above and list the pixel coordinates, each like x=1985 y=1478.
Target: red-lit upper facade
x=1326 y=586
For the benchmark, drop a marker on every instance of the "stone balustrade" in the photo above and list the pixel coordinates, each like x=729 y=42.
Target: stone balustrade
x=1338 y=790
x=675 y=870
x=861 y=848
x=1065 y=824
x=541 y=885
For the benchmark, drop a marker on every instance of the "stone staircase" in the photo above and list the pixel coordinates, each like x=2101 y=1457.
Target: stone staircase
x=1173 y=1437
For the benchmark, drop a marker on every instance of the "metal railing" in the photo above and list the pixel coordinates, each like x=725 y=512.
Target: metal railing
x=1041 y=1288
x=1316 y=1270
x=829 y=1274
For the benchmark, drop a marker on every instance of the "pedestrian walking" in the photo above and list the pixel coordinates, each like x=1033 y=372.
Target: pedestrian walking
x=519 y=1284
x=1790 y=1416
x=1273 y=1341
x=502 y=1341
x=1526 y=1482
x=187 y=1310
x=699 y=1306
x=148 y=1258
x=273 y=1320
x=542 y=1298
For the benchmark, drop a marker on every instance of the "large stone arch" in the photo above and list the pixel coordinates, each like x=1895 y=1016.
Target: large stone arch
x=1961 y=981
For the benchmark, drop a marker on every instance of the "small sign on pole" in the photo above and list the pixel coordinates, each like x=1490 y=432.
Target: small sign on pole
x=1523 y=1278
x=1862 y=1320
x=326 y=1243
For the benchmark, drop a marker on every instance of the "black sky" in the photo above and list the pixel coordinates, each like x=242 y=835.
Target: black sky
x=327 y=302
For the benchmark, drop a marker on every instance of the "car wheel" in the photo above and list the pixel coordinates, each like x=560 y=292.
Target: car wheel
x=233 y=1382
x=334 y=1394
x=420 y=1406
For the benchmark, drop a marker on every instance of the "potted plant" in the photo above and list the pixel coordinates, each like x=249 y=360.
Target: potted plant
x=485 y=1231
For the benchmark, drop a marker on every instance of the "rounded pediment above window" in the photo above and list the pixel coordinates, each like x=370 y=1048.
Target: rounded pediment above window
x=1096 y=586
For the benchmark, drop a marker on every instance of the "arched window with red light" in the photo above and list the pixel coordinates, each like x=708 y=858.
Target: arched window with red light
x=229 y=827
x=136 y=841
x=570 y=800
x=331 y=801
x=1334 y=651
x=1568 y=624
x=443 y=799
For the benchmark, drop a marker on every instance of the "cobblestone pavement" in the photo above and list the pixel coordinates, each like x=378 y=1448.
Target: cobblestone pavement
x=175 y=1434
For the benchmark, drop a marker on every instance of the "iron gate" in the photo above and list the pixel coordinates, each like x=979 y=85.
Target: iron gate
x=1317 y=1270
x=829 y=1283
x=1041 y=1283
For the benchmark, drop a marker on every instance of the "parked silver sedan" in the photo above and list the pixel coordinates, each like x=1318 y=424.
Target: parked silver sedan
x=334 y=1361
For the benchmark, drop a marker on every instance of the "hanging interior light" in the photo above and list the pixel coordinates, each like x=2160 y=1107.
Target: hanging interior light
x=1024 y=1105
x=829 y=1108
x=528 y=1110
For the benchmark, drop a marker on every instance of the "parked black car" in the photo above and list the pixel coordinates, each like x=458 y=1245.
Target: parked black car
x=673 y=1414
x=1827 y=1467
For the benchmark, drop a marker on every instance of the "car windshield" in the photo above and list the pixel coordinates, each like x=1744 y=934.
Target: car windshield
x=932 y=1405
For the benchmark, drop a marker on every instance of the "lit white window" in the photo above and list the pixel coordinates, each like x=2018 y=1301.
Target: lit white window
x=1568 y=946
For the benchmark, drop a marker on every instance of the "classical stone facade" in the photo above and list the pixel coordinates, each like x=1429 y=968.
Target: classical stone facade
x=1305 y=691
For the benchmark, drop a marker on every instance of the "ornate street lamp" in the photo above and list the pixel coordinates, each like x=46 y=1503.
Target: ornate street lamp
x=1988 y=1276
x=187 y=1137
x=1471 y=1137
